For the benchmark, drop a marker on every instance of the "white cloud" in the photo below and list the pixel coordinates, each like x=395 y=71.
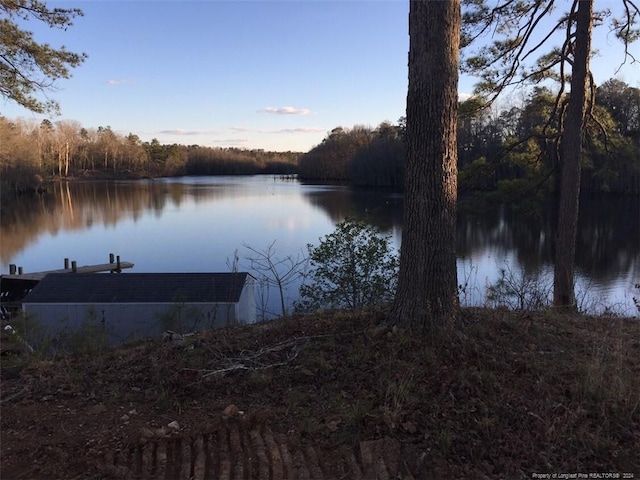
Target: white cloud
x=300 y=130
x=188 y=132
x=286 y=110
x=464 y=96
x=284 y=130
x=118 y=81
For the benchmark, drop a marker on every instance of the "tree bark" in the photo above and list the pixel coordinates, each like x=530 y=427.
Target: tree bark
x=427 y=295
x=571 y=152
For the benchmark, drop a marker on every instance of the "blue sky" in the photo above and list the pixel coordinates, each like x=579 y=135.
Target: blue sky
x=265 y=74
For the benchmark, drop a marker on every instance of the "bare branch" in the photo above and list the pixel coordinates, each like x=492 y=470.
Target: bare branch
x=624 y=30
x=276 y=272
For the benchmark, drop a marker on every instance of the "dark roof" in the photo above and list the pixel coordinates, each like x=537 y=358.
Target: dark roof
x=138 y=288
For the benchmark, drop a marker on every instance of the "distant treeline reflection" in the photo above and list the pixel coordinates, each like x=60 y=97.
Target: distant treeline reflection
x=607 y=223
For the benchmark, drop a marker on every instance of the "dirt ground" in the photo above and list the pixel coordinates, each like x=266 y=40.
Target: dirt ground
x=332 y=396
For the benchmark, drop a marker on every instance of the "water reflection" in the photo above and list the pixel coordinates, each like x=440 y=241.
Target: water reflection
x=218 y=214
x=607 y=245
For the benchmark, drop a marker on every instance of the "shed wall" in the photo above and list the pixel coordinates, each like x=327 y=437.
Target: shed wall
x=247 y=302
x=126 y=321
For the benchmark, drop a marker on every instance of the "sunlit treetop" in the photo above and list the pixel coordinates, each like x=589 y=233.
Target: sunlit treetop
x=531 y=41
x=29 y=68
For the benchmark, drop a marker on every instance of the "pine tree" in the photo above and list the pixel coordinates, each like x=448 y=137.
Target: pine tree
x=28 y=68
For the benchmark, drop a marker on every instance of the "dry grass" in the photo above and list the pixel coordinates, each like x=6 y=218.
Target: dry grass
x=503 y=396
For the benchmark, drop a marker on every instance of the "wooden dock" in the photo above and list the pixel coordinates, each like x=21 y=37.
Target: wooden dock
x=114 y=266
x=104 y=267
x=17 y=284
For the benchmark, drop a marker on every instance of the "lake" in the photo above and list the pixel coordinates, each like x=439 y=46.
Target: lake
x=197 y=224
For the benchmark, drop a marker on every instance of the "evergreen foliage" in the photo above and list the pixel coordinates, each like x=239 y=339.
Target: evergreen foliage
x=354 y=267
x=27 y=67
x=506 y=149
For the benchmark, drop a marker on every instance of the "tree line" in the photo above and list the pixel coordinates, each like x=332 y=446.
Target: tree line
x=31 y=150
x=501 y=151
x=359 y=155
x=504 y=150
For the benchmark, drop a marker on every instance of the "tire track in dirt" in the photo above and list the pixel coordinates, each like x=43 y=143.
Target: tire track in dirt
x=235 y=451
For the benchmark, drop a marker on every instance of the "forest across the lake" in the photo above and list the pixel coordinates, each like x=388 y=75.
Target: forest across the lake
x=502 y=150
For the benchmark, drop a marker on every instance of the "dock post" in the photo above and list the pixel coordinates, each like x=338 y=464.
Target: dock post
x=118 y=269
x=74 y=267
x=19 y=270
x=12 y=269
x=111 y=258
x=66 y=264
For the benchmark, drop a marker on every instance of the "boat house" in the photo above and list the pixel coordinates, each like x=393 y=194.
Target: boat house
x=138 y=305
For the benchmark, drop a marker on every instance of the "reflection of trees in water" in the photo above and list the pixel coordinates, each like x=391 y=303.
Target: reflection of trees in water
x=382 y=208
x=608 y=241
x=334 y=202
x=78 y=205
x=502 y=230
x=608 y=232
x=609 y=237
x=69 y=206
x=21 y=223
x=608 y=229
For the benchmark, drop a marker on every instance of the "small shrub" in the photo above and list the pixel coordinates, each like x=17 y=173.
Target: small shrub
x=354 y=267
x=519 y=291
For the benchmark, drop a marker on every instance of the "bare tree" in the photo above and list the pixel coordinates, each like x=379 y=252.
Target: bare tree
x=272 y=271
x=67 y=139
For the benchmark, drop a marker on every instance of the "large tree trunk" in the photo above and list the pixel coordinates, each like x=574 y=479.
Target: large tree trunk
x=571 y=152
x=427 y=295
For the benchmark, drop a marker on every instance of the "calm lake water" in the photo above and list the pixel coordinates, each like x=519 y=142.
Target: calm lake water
x=195 y=224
